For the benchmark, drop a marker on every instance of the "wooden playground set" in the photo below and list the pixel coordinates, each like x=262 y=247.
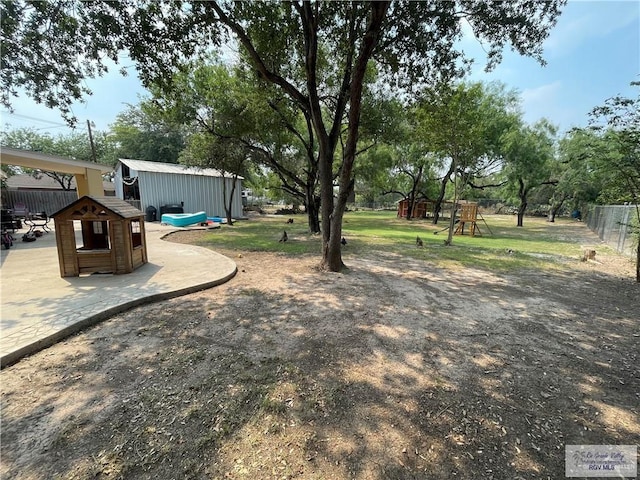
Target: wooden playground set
x=468 y=215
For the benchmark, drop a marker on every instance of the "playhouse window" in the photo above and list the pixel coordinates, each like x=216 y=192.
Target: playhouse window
x=136 y=234
x=77 y=225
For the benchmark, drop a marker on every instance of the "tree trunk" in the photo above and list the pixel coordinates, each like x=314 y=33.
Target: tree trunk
x=332 y=214
x=454 y=207
x=638 y=260
x=443 y=188
x=330 y=258
x=522 y=195
x=414 y=191
x=521 y=210
x=227 y=207
x=553 y=212
x=637 y=209
x=332 y=223
x=410 y=204
x=452 y=223
x=313 y=212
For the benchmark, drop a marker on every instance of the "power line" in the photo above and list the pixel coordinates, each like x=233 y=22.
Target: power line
x=35 y=119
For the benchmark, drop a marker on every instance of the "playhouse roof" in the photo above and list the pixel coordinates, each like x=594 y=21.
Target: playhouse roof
x=111 y=204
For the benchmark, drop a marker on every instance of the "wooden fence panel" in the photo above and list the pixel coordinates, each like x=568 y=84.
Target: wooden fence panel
x=39 y=201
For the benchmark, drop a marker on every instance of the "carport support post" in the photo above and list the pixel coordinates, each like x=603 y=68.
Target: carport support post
x=90 y=183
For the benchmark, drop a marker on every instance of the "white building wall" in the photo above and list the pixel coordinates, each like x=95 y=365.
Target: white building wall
x=198 y=192
x=117 y=181
x=195 y=192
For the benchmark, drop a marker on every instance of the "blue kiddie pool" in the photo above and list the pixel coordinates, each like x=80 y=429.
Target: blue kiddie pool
x=216 y=219
x=183 y=219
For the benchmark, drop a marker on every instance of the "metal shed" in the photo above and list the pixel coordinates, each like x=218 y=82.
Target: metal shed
x=155 y=184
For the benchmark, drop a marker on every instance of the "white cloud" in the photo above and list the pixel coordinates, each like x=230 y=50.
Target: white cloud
x=541 y=93
x=584 y=20
x=543 y=101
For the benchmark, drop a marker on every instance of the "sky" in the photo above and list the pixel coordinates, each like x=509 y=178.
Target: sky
x=593 y=53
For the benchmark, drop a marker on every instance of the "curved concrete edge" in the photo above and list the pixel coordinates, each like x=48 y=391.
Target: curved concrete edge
x=12 y=357
x=191 y=229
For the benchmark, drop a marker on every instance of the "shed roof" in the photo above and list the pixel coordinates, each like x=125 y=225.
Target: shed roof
x=158 y=167
x=112 y=204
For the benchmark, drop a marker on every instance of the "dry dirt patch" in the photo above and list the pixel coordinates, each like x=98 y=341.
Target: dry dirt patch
x=393 y=369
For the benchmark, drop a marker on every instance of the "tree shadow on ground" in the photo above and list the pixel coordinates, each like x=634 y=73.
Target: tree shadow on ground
x=395 y=369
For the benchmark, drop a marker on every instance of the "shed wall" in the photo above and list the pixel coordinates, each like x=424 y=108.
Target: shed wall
x=198 y=192
x=117 y=182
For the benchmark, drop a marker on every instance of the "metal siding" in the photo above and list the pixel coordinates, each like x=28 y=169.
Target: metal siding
x=198 y=192
x=117 y=179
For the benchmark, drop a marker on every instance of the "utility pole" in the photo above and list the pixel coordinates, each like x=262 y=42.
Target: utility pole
x=93 y=147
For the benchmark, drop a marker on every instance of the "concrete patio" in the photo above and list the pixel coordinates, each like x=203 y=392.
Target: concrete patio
x=38 y=307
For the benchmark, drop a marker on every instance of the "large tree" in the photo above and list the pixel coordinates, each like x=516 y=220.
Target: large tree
x=214 y=99
x=228 y=155
x=617 y=124
x=412 y=175
x=575 y=171
x=529 y=152
x=463 y=125
x=139 y=133
x=316 y=52
x=409 y=169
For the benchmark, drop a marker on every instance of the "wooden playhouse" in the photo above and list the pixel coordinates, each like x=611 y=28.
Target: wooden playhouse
x=422 y=208
x=113 y=237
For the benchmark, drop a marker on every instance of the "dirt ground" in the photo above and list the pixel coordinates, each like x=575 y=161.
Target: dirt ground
x=395 y=369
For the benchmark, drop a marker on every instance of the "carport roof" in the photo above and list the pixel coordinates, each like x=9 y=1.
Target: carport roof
x=53 y=163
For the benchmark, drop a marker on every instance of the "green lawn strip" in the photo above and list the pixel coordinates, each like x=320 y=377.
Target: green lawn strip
x=262 y=234
x=536 y=245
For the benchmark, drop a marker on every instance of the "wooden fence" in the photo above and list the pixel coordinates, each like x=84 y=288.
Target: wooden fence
x=39 y=201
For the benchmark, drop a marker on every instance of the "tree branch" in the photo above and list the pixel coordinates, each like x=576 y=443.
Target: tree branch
x=491 y=185
x=295 y=94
